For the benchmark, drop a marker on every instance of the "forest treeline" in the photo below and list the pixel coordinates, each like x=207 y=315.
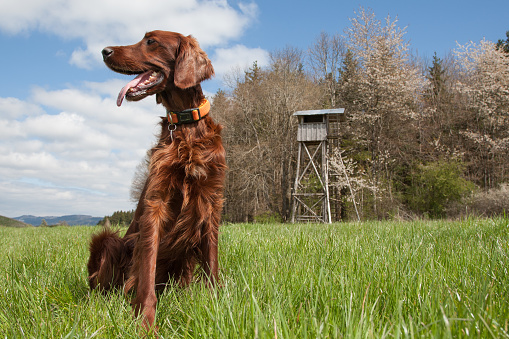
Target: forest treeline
x=118 y=218
x=422 y=138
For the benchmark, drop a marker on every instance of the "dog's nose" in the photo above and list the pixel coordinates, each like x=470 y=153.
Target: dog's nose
x=107 y=52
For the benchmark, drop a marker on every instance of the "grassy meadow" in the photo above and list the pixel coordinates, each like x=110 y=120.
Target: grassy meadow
x=366 y=280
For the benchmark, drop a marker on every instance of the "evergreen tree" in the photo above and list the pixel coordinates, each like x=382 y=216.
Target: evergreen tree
x=504 y=45
x=253 y=75
x=347 y=78
x=119 y=218
x=436 y=77
x=437 y=117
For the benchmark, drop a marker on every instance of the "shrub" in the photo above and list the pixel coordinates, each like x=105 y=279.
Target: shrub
x=494 y=202
x=437 y=185
x=268 y=218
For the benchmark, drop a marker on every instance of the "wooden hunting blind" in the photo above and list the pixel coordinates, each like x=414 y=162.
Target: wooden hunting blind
x=314 y=195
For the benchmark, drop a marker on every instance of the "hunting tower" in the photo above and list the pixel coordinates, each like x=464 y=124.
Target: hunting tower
x=315 y=197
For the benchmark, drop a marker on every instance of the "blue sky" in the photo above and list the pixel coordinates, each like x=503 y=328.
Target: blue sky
x=65 y=148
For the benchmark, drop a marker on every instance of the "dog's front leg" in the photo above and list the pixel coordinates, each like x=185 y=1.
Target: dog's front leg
x=201 y=210
x=209 y=259
x=145 y=259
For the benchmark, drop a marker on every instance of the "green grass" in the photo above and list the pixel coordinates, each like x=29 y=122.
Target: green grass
x=369 y=280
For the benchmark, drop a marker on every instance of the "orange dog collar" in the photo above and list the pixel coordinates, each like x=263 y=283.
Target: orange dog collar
x=189 y=115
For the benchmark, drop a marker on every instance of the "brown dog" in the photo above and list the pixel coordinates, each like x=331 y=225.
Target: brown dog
x=177 y=219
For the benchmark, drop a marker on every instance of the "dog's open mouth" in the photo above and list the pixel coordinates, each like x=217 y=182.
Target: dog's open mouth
x=139 y=86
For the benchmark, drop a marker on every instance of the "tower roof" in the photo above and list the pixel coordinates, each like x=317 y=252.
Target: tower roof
x=320 y=112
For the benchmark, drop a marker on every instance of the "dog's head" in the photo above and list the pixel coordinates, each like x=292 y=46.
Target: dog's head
x=160 y=60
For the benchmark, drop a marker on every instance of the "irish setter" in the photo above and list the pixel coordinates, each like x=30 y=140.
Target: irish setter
x=176 y=222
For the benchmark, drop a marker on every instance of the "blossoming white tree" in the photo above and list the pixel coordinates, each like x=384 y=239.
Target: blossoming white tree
x=388 y=87
x=484 y=81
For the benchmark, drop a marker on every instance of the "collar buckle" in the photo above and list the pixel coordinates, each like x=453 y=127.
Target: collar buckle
x=184 y=116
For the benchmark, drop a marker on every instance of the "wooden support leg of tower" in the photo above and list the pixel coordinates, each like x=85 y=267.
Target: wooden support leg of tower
x=295 y=186
x=325 y=170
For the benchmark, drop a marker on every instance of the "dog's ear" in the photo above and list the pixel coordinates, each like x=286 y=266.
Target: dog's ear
x=192 y=65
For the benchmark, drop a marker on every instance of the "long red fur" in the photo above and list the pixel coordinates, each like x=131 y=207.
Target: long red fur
x=176 y=222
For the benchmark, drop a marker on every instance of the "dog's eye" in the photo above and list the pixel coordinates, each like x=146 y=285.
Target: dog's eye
x=151 y=41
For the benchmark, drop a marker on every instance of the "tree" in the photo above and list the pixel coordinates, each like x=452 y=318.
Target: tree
x=436 y=77
x=436 y=186
x=253 y=74
x=484 y=82
x=118 y=218
x=325 y=57
x=504 y=45
x=435 y=107
x=442 y=113
x=348 y=78
x=388 y=89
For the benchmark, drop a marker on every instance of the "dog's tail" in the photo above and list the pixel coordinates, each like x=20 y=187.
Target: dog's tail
x=109 y=260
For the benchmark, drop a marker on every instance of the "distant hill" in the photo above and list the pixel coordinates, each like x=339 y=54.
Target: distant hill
x=8 y=222
x=52 y=220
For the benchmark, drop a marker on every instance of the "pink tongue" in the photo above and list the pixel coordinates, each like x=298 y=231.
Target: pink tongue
x=132 y=83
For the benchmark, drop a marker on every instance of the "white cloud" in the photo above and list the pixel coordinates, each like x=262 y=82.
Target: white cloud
x=10 y=129
x=14 y=108
x=238 y=57
x=87 y=151
x=100 y=23
x=84 y=58
x=51 y=200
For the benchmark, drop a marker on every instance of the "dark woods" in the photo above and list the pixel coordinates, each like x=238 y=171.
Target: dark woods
x=118 y=218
